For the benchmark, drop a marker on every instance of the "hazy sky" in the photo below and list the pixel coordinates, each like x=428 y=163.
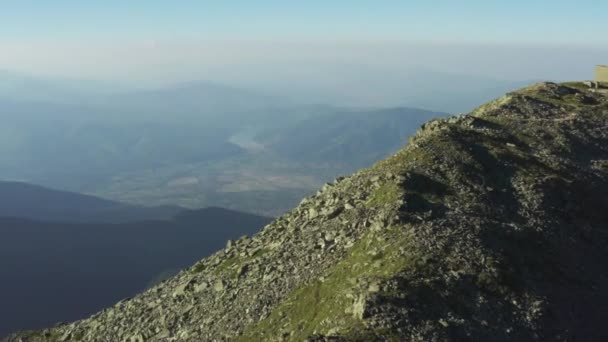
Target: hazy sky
x=514 y=21
x=174 y=39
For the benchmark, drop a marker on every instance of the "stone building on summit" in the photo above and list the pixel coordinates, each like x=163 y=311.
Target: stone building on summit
x=601 y=73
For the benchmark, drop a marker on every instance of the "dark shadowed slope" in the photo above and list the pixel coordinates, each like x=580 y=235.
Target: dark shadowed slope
x=39 y=203
x=51 y=272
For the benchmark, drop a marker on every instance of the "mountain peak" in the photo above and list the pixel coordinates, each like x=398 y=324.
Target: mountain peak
x=486 y=226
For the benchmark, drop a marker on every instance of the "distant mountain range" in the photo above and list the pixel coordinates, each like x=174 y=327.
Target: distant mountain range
x=354 y=138
x=191 y=99
x=54 y=268
x=201 y=143
x=368 y=86
x=278 y=164
x=270 y=85
x=195 y=145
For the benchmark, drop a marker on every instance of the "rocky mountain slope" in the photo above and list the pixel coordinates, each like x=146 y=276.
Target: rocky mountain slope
x=490 y=226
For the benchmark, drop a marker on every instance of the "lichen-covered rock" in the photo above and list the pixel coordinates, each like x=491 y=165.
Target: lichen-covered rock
x=491 y=226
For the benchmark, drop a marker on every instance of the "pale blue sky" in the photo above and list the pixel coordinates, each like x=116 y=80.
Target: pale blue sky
x=173 y=40
x=516 y=21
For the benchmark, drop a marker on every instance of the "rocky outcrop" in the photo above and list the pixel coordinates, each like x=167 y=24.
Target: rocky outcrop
x=491 y=226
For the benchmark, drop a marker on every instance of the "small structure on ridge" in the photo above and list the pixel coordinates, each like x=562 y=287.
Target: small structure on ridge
x=601 y=73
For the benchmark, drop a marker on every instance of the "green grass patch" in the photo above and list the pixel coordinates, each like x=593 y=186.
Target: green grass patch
x=260 y=252
x=231 y=265
x=325 y=306
x=386 y=194
x=227 y=264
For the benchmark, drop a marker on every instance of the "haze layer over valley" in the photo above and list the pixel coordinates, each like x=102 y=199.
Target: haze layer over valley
x=251 y=131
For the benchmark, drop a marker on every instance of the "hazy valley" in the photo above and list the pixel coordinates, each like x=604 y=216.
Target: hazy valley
x=201 y=144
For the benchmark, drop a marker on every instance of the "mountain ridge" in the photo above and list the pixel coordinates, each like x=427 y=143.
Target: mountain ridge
x=486 y=226
x=29 y=201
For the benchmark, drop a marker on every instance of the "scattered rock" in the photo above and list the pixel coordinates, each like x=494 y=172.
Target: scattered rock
x=218 y=286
